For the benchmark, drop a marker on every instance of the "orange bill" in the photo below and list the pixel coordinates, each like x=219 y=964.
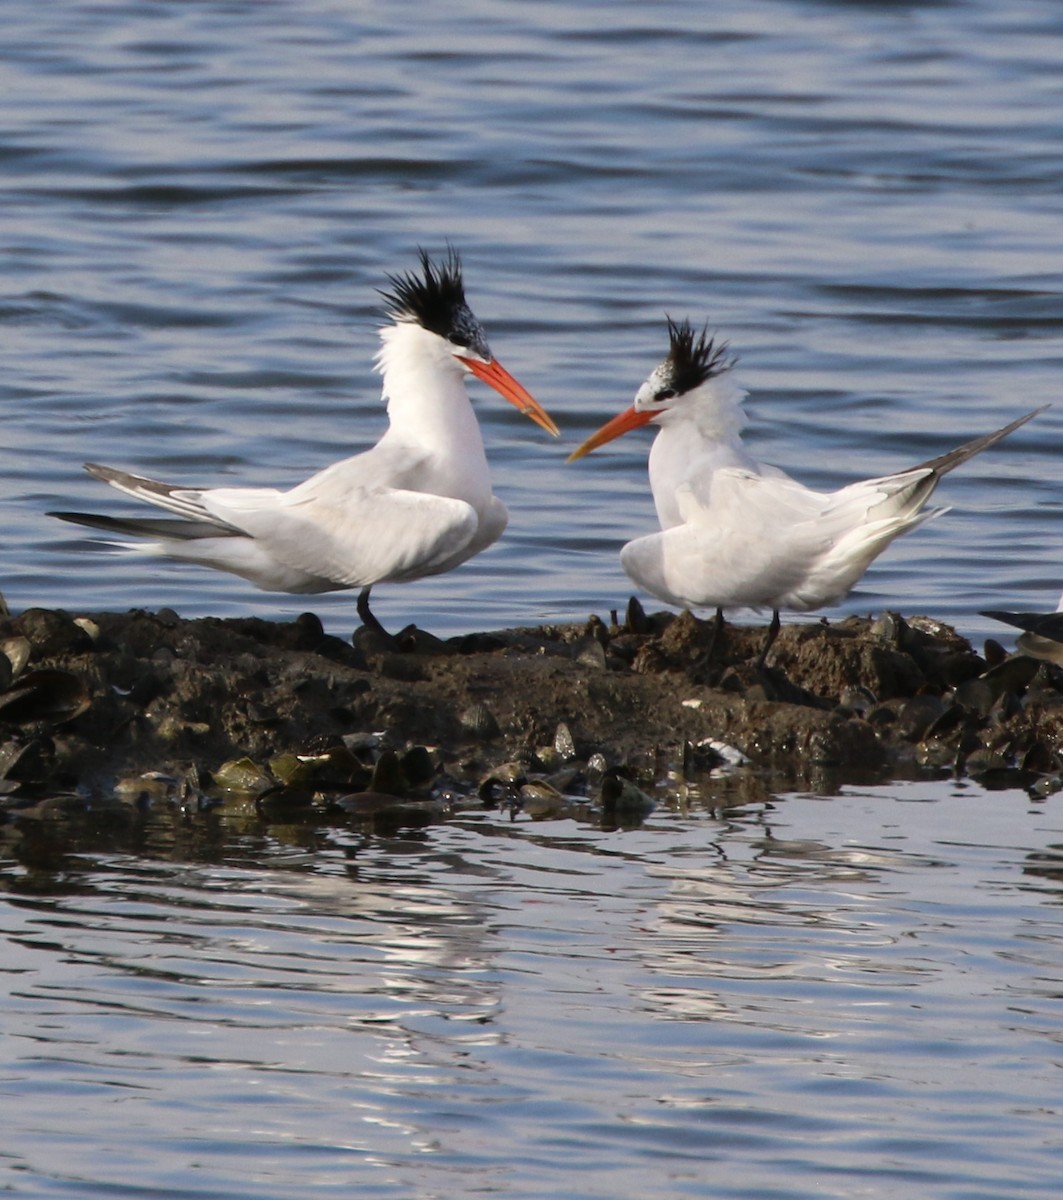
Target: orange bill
x=496 y=375
x=624 y=422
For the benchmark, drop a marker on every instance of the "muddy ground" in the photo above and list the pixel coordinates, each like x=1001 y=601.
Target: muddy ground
x=136 y=708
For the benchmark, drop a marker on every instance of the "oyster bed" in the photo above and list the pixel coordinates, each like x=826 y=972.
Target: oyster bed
x=105 y=713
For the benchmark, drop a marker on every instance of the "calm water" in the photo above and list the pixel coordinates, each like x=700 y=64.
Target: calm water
x=200 y=199
x=197 y=203
x=808 y=997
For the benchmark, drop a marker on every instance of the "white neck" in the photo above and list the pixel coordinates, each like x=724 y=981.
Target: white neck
x=714 y=410
x=430 y=414
x=698 y=435
x=424 y=388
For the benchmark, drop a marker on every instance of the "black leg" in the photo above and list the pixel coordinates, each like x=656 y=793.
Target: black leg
x=773 y=633
x=367 y=618
x=717 y=629
x=704 y=661
x=714 y=638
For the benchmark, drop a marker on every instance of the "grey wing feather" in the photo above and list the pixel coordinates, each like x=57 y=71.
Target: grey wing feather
x=185 y=502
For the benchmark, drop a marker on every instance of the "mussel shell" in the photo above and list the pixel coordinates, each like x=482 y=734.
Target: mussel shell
x=590 y=653
x=1014 y=674
x=17 y=652
x=29 y=761
x=336 y=766
x=147 y=788
x=502 y=782
x=388 y=776
x=480 y=722
x=242 y=777
x=280 y=803
x=292 y=768
x=387 y=815
x=539 y=799
x=364 y=803
x=620 y=795
x=418 y=766
x=564 y=742
x=45 y=695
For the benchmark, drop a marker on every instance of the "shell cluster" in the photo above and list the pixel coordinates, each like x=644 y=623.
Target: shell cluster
x=105 y=718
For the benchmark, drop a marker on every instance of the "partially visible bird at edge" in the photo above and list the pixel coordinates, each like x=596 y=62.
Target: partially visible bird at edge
x=1043 y=632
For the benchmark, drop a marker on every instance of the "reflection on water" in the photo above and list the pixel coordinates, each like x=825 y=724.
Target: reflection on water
x=860 y=988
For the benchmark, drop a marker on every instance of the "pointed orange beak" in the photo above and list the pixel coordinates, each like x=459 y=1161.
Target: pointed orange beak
x=496 y=375
x=622 y=423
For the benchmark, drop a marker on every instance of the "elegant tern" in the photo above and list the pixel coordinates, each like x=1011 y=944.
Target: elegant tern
x=736 y=533
x=417 y=503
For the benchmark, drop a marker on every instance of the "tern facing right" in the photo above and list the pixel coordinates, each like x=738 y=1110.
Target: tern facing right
x=417 y=503
x=739 y=534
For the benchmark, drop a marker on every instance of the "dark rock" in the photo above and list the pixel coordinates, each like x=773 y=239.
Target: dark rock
x=590 y=653
x=401 y=667
x=156 y=693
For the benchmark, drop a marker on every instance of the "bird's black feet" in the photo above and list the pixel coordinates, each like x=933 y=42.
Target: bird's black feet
x=366 y=613
x=372 y=636
x=773 y=633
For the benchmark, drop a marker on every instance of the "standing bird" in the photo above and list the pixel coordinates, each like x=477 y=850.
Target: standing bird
x=418 y=503
x=736 y=533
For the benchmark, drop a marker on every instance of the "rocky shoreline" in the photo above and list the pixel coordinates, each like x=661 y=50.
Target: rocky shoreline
x=107 y=712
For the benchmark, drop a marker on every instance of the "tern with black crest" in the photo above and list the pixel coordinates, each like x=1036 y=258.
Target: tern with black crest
x=736 y=533
x=418 y=503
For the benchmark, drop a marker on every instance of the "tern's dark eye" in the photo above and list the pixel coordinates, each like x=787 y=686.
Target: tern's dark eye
x=459 y=339
x=664 y=394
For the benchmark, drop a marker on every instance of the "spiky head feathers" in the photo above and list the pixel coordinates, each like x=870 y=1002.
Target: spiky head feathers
x=435 y=300
x=693 y=358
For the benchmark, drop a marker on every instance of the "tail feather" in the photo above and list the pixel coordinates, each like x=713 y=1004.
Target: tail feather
x=955 y=458
x=844 y=563
x=183 y=501
x=153 y=527
x=917 y=484
x=1047 y=625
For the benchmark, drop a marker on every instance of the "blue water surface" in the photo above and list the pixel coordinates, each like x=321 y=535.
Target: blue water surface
x=200 y=201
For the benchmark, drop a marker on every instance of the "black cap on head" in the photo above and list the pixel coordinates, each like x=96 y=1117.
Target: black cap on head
x=693 y=357
x=435 y=300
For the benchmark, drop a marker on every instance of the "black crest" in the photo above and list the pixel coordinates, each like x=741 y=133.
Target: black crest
x=435 y=299
x=693 y=357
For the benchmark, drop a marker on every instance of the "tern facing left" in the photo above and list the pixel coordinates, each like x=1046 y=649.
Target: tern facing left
x=418 y=503
x=736 y=533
